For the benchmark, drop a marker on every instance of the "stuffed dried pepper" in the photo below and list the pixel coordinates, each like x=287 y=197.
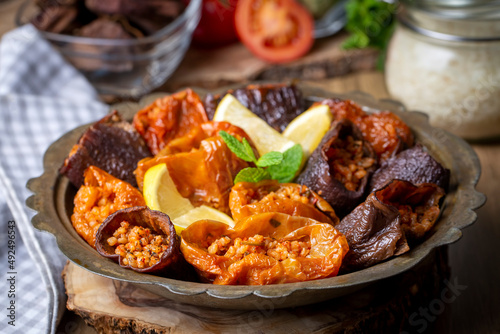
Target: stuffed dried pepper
x=100 y=196
x=205 y=158
x=267 y=248
x=248 y=198
x=169 y=117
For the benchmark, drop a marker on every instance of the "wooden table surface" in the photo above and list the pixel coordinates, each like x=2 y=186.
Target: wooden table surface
x=474 y=259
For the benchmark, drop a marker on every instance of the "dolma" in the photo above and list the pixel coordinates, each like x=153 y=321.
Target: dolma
x=169 y=117
x=111 y=144
x=143 y=240
x=381 y=227
x=340 y=167
x=415 y=165
x=248 y=198
x=385 y=131
x=278 y=105
x=201 y=165
x=101 y=195
x=267 y=248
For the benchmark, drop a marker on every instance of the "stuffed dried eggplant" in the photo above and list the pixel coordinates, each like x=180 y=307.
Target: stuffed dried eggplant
x=100 y=196
x=385 y=131
x=248 y=198
x=278 y=105
x=110 y=144
x=266 y=248
x=142 y=240
x=414 y=165
x=211 y=165
x=418 y=205
x=380 y=227
x=340 y=167
x=169 y=117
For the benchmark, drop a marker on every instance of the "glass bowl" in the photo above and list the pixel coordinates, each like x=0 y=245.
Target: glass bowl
x=53 y=201
x=125 y=67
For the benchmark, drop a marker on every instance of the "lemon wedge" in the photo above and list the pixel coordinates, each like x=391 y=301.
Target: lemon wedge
x=265 y=138
x=199 y=213
x=308 y=128
x=161 y=194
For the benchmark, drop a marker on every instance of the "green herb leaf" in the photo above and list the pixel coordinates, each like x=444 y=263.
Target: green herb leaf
x=288 y=168
x=242 y=150
x=249 y=150
x=270 y=159
x=371 y=24
x=252 y=174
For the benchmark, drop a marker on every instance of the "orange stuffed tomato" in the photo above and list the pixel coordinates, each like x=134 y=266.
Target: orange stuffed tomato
x=267 y=248
x=248 y=198
x=168 y=118
x=277 y=31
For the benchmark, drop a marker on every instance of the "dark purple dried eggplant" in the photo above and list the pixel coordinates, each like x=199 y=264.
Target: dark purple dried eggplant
x=329 y=174
x=144 y=8
x=381 y=227
x=105 y=27
x=170 y=263
x=112 y=145
x=55 y=19
x=278 y=105
x=414 y=165
x=418 y=205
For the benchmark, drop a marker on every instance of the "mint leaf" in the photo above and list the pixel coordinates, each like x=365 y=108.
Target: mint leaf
x=248 y=149
x=252 y=174
x=270 y=159
x=288 y=168
x=242 y=150
x=280 y=166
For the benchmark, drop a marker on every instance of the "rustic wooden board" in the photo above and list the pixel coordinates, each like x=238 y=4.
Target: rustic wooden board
x=117 y=307
x=235 y=64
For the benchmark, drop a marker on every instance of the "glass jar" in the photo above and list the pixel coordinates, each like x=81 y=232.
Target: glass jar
x=444 y=59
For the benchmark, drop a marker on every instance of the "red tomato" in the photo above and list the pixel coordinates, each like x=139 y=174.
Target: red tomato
x=278 y=31
x=216 y=27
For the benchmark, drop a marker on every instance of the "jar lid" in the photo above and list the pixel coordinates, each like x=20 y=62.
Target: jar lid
x=453 y=20
x=458 y=9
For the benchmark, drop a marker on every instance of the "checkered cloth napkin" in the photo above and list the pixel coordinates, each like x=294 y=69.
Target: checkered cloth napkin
x=41 y=98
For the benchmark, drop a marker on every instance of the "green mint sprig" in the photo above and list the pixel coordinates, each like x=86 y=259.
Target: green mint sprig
x=288 y=168
x=271 y=166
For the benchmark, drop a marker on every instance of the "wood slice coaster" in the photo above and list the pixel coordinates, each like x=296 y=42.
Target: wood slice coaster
x=235 y=64
x=117 y=307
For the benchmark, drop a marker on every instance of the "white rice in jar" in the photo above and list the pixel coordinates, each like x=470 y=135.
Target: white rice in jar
x=457 y=83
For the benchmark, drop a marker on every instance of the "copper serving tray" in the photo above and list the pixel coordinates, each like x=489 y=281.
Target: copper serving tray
x=53 y=201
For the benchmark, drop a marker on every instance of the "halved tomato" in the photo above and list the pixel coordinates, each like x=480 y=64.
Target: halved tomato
x=216 y=26
x=277 y=31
